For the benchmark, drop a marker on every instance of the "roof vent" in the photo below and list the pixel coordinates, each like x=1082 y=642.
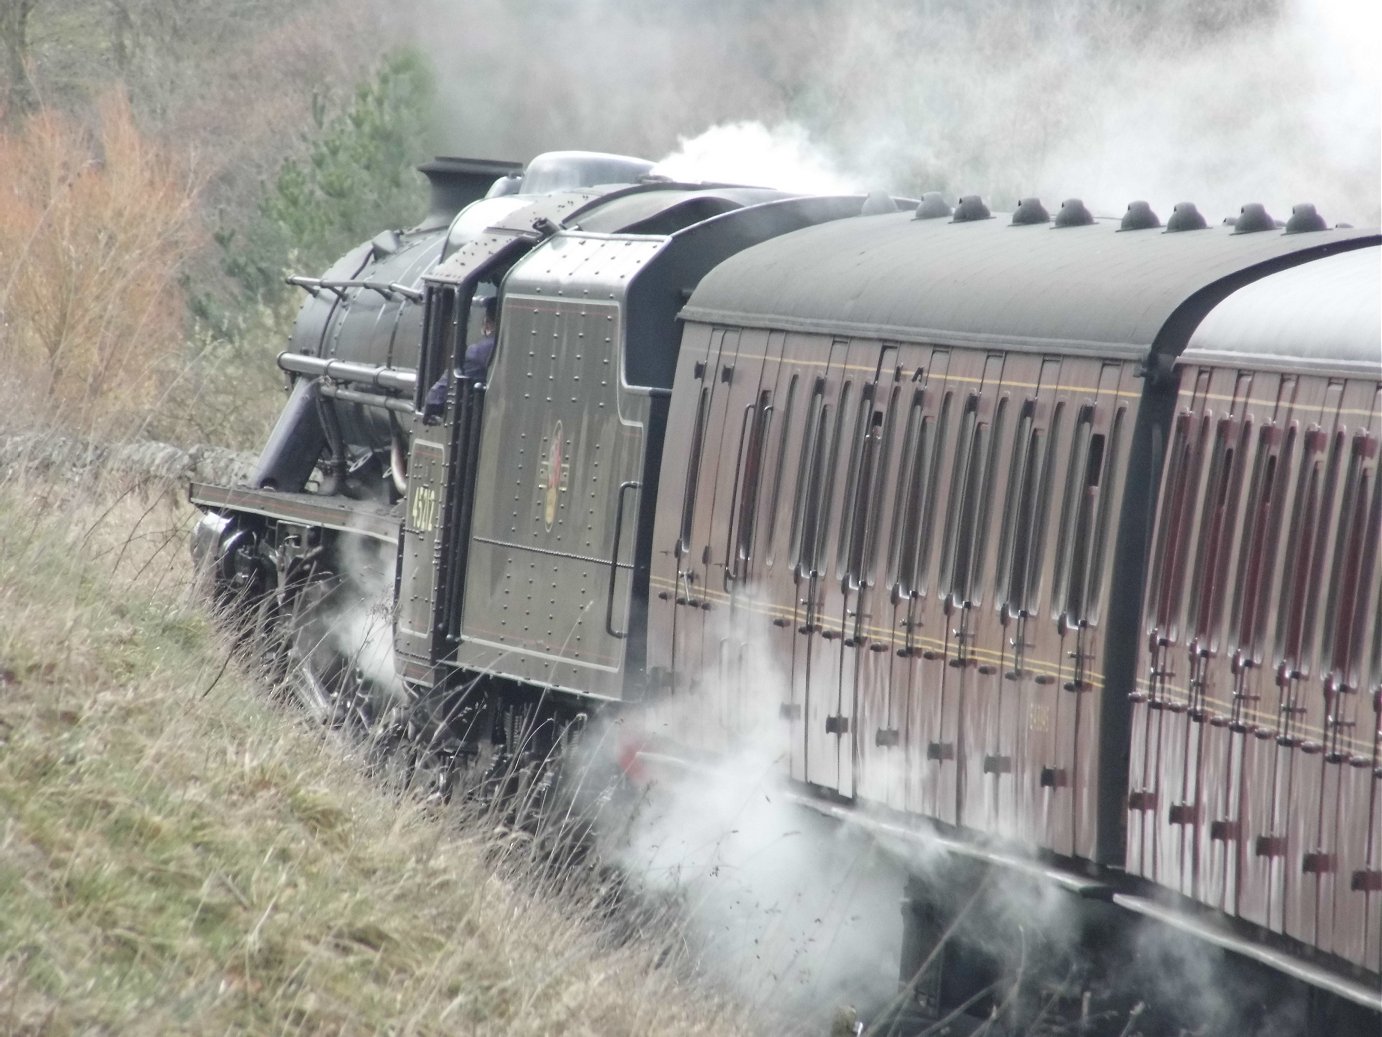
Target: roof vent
x=1253 y=218
x=877 y=203
x=1073 y=214
x=971 y=207
x=1304 y=218
x=1139 y=217
x=1030 y=210
x=1185 y=217
x=932 y=206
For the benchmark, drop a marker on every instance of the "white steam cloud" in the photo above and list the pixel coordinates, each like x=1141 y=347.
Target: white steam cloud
x=1280 y=111
x=361 y=626
x=796 y=914
x=1219 y=102
x=749 y=153
x=799 y=914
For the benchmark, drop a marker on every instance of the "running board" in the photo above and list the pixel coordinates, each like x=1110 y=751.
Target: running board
x=381 y=522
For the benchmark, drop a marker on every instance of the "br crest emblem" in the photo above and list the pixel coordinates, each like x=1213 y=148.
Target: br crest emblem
x=555 y=473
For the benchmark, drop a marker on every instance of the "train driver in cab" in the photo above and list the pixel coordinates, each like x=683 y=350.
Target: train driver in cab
x=473 y=366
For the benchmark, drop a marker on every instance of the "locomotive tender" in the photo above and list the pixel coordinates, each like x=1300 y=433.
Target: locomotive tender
x=1060 y=535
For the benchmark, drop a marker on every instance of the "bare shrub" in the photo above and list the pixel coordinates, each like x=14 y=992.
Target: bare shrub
x=94 y=229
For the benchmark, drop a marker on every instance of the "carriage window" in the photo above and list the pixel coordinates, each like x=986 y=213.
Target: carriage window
x=1109 y=496
x=808 y=470
x=1204 y=591
x=1044 y=477
x=785 y=425
x=882 y=466
x=822 y=501
x=987 y=493
x=857 y=445
x=861 y=503
x=1072 y=508
x=1272 y=575
x=975 y=517
x=1171 y=533
x=959 y=512
x=1354 y=555
x=1026 y=547
x=961 y=548
x=1185 y=532
x=1348 y=546
x=1325 y=524
x=440 y=317
x=1255 y=515
x=921 y=575
x=747 y=480
x=1295 y=566
x=1092 y=507
x=912 y=468
x=1016 y=504
x=693 y=473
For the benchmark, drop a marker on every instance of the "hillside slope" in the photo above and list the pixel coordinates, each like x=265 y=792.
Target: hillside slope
x=178 y=854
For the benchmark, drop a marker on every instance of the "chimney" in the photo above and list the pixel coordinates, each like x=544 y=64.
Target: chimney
x=456 y=182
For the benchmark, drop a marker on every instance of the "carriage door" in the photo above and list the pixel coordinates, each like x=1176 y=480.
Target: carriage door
x=742 y=634
x=963 y=547
x=700 y=580
x=1082 y=549
x=863 y=671
x=821 y=477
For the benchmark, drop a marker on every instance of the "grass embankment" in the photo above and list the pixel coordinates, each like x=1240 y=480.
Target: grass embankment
x=178 y=854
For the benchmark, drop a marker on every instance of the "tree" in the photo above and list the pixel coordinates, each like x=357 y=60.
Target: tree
x=356 y=178
x=14 y=32
x=93 y=230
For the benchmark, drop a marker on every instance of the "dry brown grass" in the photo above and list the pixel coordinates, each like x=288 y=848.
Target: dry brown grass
x=179 y=855
x=95 y=227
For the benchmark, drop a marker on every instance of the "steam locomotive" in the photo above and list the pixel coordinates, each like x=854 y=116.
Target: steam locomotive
x=1049 y=540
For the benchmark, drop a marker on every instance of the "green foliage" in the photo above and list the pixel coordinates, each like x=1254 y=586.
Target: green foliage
x=357 y=177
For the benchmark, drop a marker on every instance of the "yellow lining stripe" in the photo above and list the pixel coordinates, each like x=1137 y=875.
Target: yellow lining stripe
x=882 y=633
x=1250 y=402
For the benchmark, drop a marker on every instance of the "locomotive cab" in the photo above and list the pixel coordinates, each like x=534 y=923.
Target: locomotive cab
x=541 y=476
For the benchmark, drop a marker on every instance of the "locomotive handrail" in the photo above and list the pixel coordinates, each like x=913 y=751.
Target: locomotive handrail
x=313 y=285
x=388 y=291
x=366 y=399
x=411 y=294
x=396 y=379
x=465 y=450
x=614 y=559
